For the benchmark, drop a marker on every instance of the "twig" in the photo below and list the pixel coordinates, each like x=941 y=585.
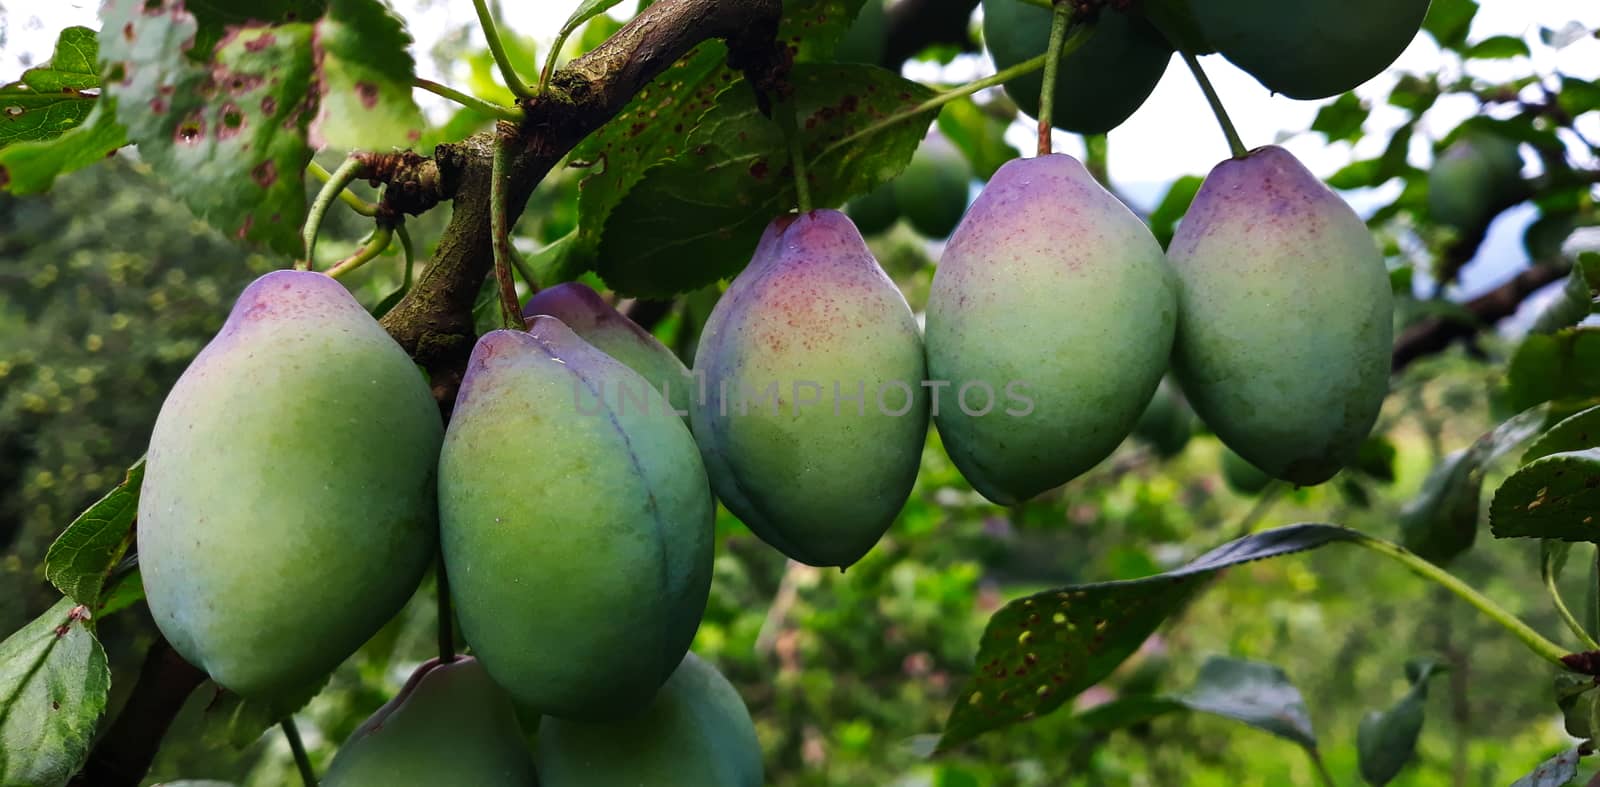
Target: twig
x=497 y=49
x=302 y=762
x=341 y=177
x=1234 y=143
x=471 y=102
x=379 y=243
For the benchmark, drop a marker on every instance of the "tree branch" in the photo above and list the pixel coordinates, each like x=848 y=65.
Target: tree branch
x=123 y=755
x=1434 y=334
x=434 y=321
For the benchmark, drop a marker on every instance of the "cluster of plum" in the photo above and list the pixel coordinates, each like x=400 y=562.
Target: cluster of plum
x=299 y=480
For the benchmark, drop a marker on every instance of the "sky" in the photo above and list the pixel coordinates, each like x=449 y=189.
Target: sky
x=1172 y=135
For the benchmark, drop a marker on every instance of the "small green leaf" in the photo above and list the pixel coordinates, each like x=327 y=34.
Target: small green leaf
x=695 y=219
x=1574 y=433
x=1362 y=173
x=1039 y=651
x=1498 y=47
x=30 y=167
x=365 y=74
x=124 y=592
x=1164 y=219
x=49 y=100
x=53 y=687
x=1575 y=302
x=1341 y=119
x=1254 y=693
x=1448 y=21
x=1552 y=367
x=1554 y=772
x=1557 y=496
x=1442 y=520
x=1575 y=696
x=1386 y=740
x=226 y=126
x=1578 y=96
x=234 y=721
x=80 y=559
x=1414 y=93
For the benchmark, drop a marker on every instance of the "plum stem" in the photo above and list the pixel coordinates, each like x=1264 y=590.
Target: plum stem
x=346 y=196
x=469 y=101
x=784 y=113
x=1535 y=641
x=447 y=635
x=1060 y=20
x=510 y=305
x=301 y=761
x=1565 y=612
x=497 y=49
x=341 y=177
x=371 y=249
x=1217 y=109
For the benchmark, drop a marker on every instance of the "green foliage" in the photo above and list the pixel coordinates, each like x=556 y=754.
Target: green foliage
x=52 y=99
x=81 y=559
x=365 y=75
x=1555 y=496
x=1041 y=650
x=53 y=687
x=1387 y=739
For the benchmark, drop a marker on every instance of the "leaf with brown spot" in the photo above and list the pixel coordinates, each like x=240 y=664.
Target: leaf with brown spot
x=53 y=687
x=81 y=558
x=52 y=99
x=1076 y=635
x=203 y=120
x=1556 y=496
x=30 y=167
x=365 y=74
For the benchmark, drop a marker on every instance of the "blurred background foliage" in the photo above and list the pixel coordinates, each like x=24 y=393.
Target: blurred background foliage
x=848 y=674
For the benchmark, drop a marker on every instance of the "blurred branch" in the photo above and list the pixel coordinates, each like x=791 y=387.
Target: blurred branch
x=123 y=755
x=915 y=25
x=1434 y=334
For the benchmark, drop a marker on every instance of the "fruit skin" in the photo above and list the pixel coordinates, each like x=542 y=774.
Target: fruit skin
x=697 y=733
x=288 y=504
x=1286 y=317
x=1474 y=178
x=1167 y=422
x=1310 y=48
x=450 y=724
x=577 y=532
x=876 y=211
x=611 y=332
x=932 y=191
x=1241 y=476
x=1052 y=283
x=812 y=308
x=1099 y=85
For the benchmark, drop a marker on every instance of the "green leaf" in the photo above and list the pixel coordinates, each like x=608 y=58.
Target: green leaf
x=979 y=134
x=1498 y=47
x=1442 y=520
x=1556 y=496
x=1254 y=693
x=225 y=126
x=30 y=167
x=586 y=10
x=1362 y=173
x=1578 y=96
x=1039 y=651
x=54 y=98
x=1554 y=772
x=53 y=687
x=1341 y=119
x=81 y=558
x=231 y=720
x=1448 y=21
x=1413 y=93
x=1164 y=219
x=655 y=125
x=1576 y=698
x=365 y=74
x=1575 y=302
x=1386 y=740
x=1554 y=367
x=695 y=219
x=124 y=592
x=1574 y=433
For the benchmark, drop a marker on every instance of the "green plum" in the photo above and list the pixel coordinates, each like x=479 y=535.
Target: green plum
x=450 y=724
x=1049 y=322
x=1310 y=49
x=288 y=506
x=1241 y=476
x=814 y=413
x=1473 y=179
x=696 y=733
x=932 y=191
x=576 y=522
x=1100 y=85
x=1286 y=317
x=611 y=332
